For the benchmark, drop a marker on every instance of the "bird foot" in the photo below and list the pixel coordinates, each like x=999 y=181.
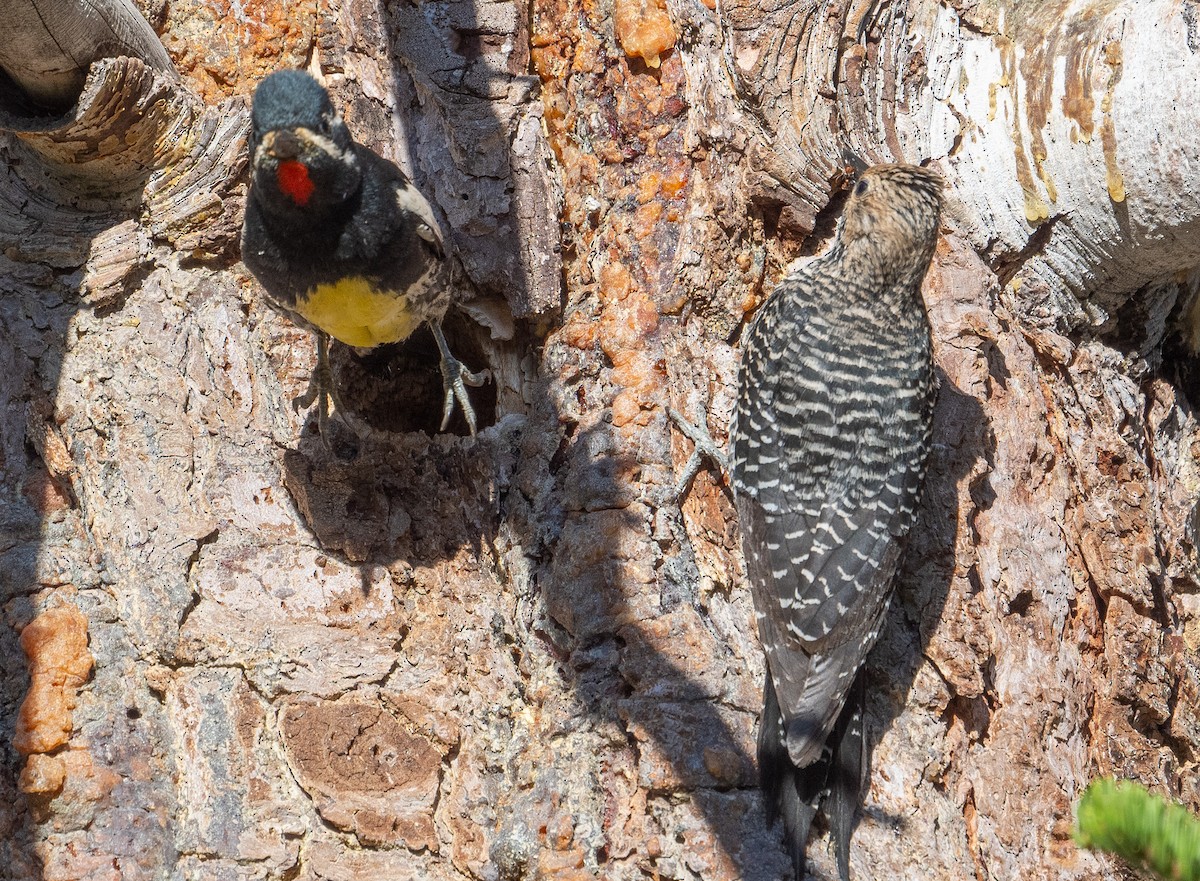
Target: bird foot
x=316 y=389
x=705 y=448
x=455 y=379
x=322 y=392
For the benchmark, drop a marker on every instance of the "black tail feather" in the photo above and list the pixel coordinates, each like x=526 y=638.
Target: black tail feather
x=781 y=781
x=795 y=794
x=847 y=744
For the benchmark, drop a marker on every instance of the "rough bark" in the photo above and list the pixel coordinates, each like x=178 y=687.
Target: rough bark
x=51 y=43
x=516 y=656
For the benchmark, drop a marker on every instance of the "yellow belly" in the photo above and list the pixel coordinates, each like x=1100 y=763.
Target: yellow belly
x=357 y=314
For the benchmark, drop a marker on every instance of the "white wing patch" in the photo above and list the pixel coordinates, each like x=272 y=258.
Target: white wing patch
x=410 y=201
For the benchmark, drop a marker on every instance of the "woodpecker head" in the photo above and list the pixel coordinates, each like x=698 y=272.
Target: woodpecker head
x=303 y=158
x=891 y=220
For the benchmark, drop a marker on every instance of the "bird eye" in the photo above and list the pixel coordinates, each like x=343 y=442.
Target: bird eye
x=860 y=188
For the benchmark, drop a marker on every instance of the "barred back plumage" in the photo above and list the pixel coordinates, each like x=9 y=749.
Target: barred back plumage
x=832 y=431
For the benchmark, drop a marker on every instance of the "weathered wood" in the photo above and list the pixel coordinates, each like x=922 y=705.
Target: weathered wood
x=136 y=161
x=49 y=44
x=1049 y=120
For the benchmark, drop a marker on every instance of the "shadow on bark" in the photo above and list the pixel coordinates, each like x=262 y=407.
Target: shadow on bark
x=51 y=215
x=690 y=735
x=406 y=496
x=33 y=323
x=79 y=209
x=961 y=439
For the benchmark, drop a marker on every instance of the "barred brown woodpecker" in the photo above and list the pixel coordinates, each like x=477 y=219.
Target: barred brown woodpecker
x=831 y=434
x=339 y=237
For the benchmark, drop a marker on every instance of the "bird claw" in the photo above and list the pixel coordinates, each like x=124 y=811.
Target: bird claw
x=455 y=379
x=705 y=448
x=314 y=391
x=320 y=391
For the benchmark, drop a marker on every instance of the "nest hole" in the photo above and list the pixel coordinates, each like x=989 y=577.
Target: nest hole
x=398 y=387
x=1181 y=365
x=14 y=101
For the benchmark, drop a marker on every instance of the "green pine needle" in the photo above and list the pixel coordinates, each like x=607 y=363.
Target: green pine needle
x=1143 y=829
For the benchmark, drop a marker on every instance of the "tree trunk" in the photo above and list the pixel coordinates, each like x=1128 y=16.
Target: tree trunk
x=50 y=44
x=521 y=656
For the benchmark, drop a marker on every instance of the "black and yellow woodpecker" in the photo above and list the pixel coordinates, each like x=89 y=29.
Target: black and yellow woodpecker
x=340 y=239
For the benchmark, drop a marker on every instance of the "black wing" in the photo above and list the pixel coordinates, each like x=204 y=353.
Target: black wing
x=828 y=459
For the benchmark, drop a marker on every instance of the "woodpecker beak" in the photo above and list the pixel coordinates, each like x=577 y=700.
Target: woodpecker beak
x=854 y=161
x=848 y=172
x=283 y=144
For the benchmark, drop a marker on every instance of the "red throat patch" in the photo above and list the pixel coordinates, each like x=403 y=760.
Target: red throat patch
x=294 y=181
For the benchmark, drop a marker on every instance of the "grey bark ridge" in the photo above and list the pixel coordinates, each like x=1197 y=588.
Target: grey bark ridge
x=51 y=44
x=136 y=161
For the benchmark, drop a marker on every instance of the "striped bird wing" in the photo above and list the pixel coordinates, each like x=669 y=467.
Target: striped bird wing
x=827 y=464
x=815 y=571
x=813 y=675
